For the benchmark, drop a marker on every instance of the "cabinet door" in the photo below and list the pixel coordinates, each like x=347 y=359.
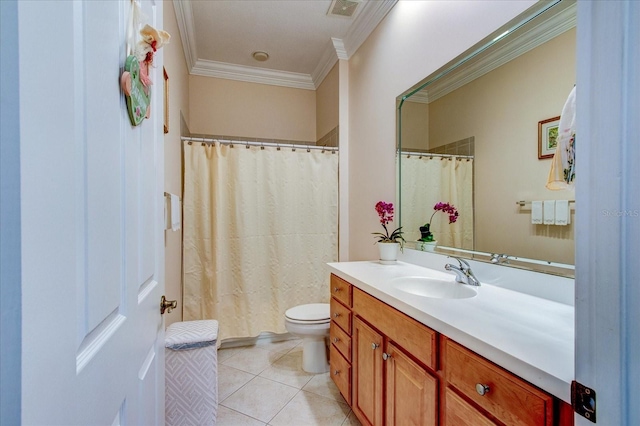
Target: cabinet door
x=367 y=373
x=460 y=413
x=412 y=393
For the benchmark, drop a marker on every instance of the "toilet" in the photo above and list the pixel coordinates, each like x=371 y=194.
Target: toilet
x=311 y=323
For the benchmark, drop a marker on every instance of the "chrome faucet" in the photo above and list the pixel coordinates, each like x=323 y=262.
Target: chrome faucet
x=499 y=258
x=464 y=274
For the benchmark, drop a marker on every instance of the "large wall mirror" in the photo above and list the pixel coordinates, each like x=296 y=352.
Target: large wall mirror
x=469 y=135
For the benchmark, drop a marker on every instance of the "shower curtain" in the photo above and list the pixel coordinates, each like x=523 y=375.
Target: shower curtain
x=426 y=181
x=260 y=223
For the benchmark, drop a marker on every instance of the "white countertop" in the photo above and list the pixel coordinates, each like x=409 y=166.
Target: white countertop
x=527 y=335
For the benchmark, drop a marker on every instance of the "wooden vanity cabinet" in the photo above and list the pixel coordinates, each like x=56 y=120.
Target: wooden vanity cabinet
x=340 y=336
x=394 y=370
x=389 y=386
x=368 y=375
x=412 y=392
x=492 y=389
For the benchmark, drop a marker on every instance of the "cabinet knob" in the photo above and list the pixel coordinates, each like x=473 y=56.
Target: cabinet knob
x=336 y=289
x=375 y=346
x=336 y=372
x=386 y=356
x=336 y=340
x=482 y=389
x=336 y=315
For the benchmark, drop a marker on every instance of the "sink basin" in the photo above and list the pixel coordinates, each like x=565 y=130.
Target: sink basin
x=433 y=287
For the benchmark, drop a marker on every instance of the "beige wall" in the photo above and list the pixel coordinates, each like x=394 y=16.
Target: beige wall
x=236 y=108
x=501 y=110
x=175 y=65
x=415 y=126
x=415 y=39
x=327 y=103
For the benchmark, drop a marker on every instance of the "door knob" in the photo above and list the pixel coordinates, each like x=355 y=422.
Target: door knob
x=167 y=305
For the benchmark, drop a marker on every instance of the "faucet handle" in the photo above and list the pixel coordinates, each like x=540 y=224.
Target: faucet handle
x=463 y=263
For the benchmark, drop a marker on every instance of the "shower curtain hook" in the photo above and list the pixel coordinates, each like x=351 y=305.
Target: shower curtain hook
x=262 y=145
x=277 y=146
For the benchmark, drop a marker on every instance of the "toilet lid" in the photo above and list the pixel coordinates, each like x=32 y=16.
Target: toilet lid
x=312 y=312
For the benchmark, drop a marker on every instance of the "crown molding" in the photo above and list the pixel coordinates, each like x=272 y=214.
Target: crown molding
x=513 y=47
x=184 y=17
x=326 y=63
x=252 y=74
x=364 y=23
x=372 y=14
x=338 y=46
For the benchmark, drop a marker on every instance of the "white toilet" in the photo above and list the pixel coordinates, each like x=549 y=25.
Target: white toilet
x=311 y=323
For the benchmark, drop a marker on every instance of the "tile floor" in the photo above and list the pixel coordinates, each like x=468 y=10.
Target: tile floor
x=264 y=384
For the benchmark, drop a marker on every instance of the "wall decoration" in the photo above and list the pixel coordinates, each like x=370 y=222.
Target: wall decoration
x=136 y=94
x=166 y=100
x=547 y=137
x=135 y=81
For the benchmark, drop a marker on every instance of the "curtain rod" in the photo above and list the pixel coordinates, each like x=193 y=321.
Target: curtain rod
x=260 y=144
x=431 y=155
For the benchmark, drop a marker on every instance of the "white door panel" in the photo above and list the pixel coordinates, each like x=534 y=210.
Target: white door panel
x=92 y=218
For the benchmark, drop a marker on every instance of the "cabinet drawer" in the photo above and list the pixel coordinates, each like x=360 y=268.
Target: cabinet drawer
x=414 y=337
x=341 y=340
x=341 y=315
x=460 y=413
x=340 y=373
x=510 y=399
x=341 y=290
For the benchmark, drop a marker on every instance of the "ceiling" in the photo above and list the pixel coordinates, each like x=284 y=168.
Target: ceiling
x=302 y=39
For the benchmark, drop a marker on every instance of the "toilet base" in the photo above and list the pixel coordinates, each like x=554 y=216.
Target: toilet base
x=314 y=355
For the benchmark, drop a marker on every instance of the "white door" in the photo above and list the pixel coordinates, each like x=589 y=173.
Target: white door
x=92 y=221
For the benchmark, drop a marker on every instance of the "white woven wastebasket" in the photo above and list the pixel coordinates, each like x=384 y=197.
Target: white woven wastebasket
x=191 y=372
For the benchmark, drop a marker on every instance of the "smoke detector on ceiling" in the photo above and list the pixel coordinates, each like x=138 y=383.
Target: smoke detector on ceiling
x=345 y=8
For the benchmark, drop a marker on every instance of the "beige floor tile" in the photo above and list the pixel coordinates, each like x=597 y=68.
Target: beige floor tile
x=321 y=384
x=261 y=398
x=224 y=354
x=230 y=380
x=283 y=345
x=253 y=359
x=288 y=370
x=228 y=417
x=308 y=409
x=351 y=420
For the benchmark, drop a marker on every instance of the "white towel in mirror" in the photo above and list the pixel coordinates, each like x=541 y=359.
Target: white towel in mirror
x=536 y=212
x=549 y=212
x=563 y=212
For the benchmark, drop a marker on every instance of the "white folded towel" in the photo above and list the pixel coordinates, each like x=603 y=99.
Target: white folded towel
x=563 y=212
x=549 y=212
x=175 y=212
x=536 y=212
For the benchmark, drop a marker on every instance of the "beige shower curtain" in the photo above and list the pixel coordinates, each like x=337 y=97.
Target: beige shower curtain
x=426 y=181
x=259 y=226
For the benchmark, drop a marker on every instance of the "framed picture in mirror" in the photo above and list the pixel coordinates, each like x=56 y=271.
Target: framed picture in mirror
x=547 y=137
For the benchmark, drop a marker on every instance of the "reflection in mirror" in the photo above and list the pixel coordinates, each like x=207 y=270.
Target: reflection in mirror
x=468 y=135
